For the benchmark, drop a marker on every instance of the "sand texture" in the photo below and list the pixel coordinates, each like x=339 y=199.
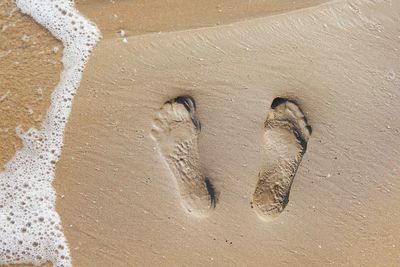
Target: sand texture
x=171 y=112
x=30 y=68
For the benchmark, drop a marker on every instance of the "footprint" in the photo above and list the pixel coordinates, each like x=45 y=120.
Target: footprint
x=176 y=129
x=286 y=136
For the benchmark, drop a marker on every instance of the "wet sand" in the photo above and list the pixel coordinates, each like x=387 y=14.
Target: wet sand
x=143 y=17
x=31 y=66
x=117 y=199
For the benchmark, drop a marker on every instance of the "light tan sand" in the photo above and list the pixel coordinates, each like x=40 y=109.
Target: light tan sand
x=119 y=203
x=29 y=71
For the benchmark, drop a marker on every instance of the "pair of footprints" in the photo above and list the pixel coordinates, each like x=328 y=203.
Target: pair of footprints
x=176 y=129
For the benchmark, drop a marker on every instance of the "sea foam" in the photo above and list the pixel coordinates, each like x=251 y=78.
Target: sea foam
x=30 y=228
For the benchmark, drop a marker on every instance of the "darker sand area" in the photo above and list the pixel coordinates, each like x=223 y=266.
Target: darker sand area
x=30 y=69
x=142 y=17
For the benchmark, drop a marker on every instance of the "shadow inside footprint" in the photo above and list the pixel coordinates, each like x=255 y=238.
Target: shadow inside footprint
x=212 y=192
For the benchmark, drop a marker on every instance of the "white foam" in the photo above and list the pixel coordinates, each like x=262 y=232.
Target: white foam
x=30 y=229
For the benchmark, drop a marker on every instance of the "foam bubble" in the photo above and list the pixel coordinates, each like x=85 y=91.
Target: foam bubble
x=30 y=228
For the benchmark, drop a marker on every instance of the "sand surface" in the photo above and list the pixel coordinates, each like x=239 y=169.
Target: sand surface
x=30 y=68
x=117 y=198
x=141 y=17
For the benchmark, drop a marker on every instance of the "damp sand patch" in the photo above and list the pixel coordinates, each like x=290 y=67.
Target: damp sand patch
x=31 y=67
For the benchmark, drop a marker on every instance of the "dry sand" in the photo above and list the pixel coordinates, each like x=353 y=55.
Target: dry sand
x=117 y=199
